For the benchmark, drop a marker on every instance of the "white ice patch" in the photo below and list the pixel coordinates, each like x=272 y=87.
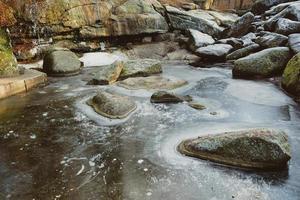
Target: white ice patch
x=100 y=59
x=258 y=92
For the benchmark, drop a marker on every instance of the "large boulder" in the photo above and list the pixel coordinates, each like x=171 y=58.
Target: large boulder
x=152 y=83
x=291 y=76
x=198 y=39
x=294 y=42
x=140 y=67
x=287 y=26
x=199 y=20
x=265 y=63
x=265 y=149
x=61 y=62
x=107 y=74
x=215 y=51
x=167 y=97
x=243 y=52
x=112 y=106
x=8 y=62
x=260 y=6
x=269 y=39
x=241 y=26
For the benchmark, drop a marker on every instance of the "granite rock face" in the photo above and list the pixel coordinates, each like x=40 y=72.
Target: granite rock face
x=264 y=149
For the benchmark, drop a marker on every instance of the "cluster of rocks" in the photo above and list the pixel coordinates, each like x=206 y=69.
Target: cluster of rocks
x=259 y=46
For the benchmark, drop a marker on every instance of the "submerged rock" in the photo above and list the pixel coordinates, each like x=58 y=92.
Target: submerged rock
x=256 y=148
x=294 y=42
x=243 y=52
x=291 y=76
x=215 y=51
x=112 y=106
x=108 y=74
x=167 y=97
x=8 y=62
x=151 y=83
x=61 y=62
x=196 y=105
x=140 y=68
x=265 y=63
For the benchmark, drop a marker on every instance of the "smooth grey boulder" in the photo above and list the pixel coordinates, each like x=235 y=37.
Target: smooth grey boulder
x=266 y=63
x=264 y=149
x=167 y=97
x=269 y=40
x=198 y=39
x=287 y=26
x=215 y=51
x=294 y=42
x=111 y=105
x=61 y=62
x=291 y=76
x=107 y=74
x=248 y=39
x=140 y=68
x=243 y=52
x=260 y=6
x=241 y=26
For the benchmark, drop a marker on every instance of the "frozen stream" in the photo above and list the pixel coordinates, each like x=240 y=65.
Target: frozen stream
x=53 y=147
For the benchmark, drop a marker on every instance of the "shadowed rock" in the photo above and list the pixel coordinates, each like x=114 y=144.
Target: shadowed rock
x=241 y=26
x=257 y=148
x=112 y=106
x=243 y=52
x=166 y=97
x=287 y=26
x=269 y=40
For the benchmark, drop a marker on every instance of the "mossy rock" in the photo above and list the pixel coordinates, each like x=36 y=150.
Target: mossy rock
x=8 y=62
x=291 y=76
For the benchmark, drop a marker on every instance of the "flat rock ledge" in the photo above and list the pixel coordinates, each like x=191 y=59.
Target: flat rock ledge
x=23 y=83
x=111 y=105
x=262 y=149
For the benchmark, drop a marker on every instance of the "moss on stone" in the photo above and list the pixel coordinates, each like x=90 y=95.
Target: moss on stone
x=291 y=76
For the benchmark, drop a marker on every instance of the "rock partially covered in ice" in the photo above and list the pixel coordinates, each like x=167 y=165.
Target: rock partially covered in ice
x=140 y=68
x=151 y=83
x=256 y=148
x=167 y=97
x=61 y=62
x=111 y=105
x=265 y=63
x=107 y=74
